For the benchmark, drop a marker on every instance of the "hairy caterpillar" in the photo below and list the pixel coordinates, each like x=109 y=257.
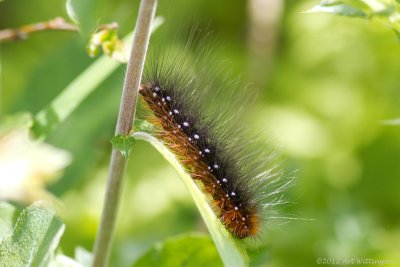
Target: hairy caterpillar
x=197 y=115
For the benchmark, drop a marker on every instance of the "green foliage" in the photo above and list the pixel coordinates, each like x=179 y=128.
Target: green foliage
x=191 y=250
x=47 y=120
x=338 y=8
x=385 y=11
x=7 y=215
x=34 y=239
x=332 y=87
x=123 y=143
x=70 y=97
x=83 y=12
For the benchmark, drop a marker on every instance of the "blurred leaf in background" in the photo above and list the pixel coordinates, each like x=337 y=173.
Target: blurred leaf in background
x=385 y=11
x=27 y=166
x=189 y=250
x=84 y=13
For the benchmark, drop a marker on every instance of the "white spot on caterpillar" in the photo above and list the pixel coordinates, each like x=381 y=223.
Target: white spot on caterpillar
x=176 y=111
x=196 y=136
x=233 y=194
x=190 y=139
x=185 y=124
x=168 y=98
x=217 y=181
x=170 y=113
x=207 y=150
x=209 y=167
x=224 y=180
x=163 y=99
x=236 y=208
x=200 y=153
x=154 y=94
x=215 y=166
x=227 y=195
x=243 y=218
x=179 y=126
x=156 y=88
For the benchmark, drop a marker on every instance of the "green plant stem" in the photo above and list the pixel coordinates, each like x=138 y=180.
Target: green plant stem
x=124 y=126
x=56 y=24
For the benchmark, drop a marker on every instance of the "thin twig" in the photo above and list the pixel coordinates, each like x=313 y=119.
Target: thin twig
x=56 y=24
x=124 y=126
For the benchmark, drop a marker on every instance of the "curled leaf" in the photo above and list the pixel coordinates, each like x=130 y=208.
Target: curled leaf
x=231 y=249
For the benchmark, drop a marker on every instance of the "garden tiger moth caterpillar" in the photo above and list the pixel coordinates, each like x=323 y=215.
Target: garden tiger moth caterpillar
x=194 y=112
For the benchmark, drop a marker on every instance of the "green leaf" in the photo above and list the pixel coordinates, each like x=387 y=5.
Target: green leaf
x=123 y=143
x=83 y=12
x=69 y=99
x=7 y=215
x=338 y=8
x=385 y=11
x=193 y=250
x=34 y=239
x=230 y=248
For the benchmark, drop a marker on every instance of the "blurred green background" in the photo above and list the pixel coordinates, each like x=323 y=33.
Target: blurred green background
x=324 y=85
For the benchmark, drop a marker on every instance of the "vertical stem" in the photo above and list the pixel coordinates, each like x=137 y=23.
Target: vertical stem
x=124 y=125
x=263 y=35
